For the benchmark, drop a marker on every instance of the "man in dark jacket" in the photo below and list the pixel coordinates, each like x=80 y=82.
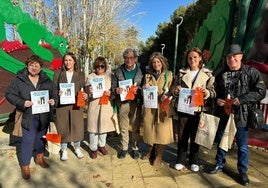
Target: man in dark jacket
x=129 y=110
x=245 y=87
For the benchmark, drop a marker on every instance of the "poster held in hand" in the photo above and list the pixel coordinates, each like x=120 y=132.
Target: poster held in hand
x=185 y=101
x=98 y=86
x=125 y=84
x=150 y=97
x=68 y=94
x=40 y=101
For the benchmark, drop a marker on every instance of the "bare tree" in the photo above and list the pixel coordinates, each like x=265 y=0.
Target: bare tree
x=92 y=27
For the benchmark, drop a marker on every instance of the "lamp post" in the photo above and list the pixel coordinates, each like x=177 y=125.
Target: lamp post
x=176 y=45
x=163 y=47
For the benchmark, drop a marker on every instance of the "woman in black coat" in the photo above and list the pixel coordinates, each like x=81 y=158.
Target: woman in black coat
x=34 y=121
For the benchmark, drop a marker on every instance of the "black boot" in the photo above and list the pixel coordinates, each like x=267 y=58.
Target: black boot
x=148 y=154
x=244 y=179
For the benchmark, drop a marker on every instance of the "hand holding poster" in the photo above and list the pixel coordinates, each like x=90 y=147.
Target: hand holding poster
x=185 y=101
x=126 y=84
x=150 y=97
x=98 y=86
x=68 y=94
x=40 y=101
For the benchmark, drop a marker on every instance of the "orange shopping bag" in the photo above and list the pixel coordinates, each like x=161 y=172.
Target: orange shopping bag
x=164 y=106
x=104 y=98
x=198 y=98
x=80 y=101
x=228 y=105
x=53 y=137
x=130 y=94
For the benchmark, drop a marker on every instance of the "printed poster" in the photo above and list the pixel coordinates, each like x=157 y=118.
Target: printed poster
x=126 y=84
x=185 y=103
x=40 y=101
x=98 y=86
x=150 y=97
x=68 y=93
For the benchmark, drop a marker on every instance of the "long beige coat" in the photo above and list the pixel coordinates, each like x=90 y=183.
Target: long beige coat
x=69 y=118
x=158 y=127
x=100 y=116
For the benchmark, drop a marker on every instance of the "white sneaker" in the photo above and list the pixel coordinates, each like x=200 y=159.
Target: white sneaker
x=194 y=168
x=178 y=166
x=78 y=153
x=64 y=156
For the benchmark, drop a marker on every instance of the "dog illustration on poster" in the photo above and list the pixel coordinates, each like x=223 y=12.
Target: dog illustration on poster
x=151 y=96
x=42 y=99
x=68 y=92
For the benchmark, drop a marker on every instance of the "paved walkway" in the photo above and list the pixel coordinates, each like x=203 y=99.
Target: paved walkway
x=109 y=171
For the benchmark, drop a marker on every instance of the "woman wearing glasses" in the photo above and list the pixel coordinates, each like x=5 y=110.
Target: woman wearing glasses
x=34 y=125
x=99 y=112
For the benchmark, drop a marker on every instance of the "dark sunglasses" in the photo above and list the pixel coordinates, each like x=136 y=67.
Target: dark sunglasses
x=100 y=66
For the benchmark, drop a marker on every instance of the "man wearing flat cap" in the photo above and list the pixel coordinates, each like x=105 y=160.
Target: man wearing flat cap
x=245 y=87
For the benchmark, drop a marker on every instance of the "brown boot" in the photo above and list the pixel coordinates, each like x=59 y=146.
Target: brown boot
x=25 y=172
x=159 y=153
x=149 y=153
x=40 y=160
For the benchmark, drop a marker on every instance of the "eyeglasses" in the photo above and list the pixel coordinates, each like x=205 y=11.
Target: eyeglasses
x=34 y=65
x=131 y=58
x=100 y=66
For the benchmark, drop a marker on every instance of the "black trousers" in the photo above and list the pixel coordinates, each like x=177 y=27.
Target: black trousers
x=187 y=128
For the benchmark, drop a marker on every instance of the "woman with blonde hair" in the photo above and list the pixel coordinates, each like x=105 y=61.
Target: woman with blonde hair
x=157 y=128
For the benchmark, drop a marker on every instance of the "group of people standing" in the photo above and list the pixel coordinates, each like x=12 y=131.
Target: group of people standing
x=243 y=83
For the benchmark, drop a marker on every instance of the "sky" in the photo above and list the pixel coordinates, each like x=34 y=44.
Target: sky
x=149 y=13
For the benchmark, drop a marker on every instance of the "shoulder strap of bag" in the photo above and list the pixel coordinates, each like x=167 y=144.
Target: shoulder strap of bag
x=166 y=80
x=195 y=78
x=115 y=106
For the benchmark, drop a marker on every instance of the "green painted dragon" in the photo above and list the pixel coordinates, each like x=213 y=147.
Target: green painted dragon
x=31 y=33
x=219 y=29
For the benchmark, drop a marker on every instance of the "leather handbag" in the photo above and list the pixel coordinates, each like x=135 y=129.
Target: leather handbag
x=255 y=118
x=17 y=131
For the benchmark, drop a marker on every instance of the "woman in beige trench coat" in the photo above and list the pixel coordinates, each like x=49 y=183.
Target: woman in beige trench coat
x=158 y=128
x=100 y=120
x=69 y=117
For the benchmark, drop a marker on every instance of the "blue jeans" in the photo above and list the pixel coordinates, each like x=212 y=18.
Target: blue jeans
x=32 y=139
x=243 y=151
x=64 y=145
